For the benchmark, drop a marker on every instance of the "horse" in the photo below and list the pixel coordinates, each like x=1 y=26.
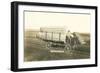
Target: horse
x=72 y=42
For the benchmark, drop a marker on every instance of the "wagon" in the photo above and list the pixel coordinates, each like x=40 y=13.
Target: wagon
x=56 y=39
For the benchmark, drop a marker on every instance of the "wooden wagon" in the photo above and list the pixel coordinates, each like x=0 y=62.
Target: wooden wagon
x=55 y=39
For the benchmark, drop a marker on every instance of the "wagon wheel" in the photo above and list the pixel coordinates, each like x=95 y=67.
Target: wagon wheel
x=67 y=47
x=48 y=45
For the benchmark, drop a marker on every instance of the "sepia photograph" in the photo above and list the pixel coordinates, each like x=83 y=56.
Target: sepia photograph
x=52 y=36
x=56 y=35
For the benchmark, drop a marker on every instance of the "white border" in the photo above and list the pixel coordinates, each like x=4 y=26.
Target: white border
x=34 y=64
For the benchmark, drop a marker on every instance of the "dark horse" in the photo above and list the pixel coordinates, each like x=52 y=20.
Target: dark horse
x=72 y=42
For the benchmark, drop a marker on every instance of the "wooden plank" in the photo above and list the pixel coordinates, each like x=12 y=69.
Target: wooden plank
x=45 y=35
x=52 y=36
x=59 y=36
x=52 y=29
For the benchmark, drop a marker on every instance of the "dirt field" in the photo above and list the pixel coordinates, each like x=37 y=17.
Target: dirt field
x=35 y=49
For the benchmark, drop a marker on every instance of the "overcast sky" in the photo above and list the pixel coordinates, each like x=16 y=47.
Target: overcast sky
x=73 y=22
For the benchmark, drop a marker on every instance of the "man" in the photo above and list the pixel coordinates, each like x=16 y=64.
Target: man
x=69 y=36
